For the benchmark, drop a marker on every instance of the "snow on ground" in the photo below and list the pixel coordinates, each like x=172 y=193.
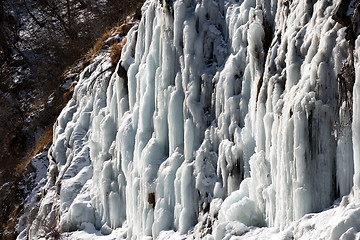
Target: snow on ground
x=339 y=222
x=231 y=123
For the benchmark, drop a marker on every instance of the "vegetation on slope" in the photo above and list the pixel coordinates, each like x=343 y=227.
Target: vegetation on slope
x=38 y=42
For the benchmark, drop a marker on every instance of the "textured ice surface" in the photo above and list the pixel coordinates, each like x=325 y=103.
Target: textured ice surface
x=232 y=117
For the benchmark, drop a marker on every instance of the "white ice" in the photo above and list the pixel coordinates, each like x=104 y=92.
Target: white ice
x=211 y=134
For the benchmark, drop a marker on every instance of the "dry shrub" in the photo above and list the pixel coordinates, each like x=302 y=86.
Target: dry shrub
x=44 y=141
x=67 y=96
x=115 y=52
x=99 y=45
x=110 y=39
x=124 y=28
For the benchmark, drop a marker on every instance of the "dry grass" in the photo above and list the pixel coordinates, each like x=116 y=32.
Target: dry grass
x=115 y=52
x=110 y=41
x=67 y=96
x=124 y=28
x=44 y=141
x=100 y=44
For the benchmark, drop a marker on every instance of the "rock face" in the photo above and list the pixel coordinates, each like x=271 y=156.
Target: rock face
x=39 y=44
x=231 y=114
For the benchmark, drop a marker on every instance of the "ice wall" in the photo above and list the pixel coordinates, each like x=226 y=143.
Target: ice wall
x=356 y=121
x=229 y=111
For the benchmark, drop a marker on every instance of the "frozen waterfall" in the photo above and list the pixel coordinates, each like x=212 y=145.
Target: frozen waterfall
x=232 y=114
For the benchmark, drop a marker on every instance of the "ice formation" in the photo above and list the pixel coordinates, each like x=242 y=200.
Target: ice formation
x=232 y=114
